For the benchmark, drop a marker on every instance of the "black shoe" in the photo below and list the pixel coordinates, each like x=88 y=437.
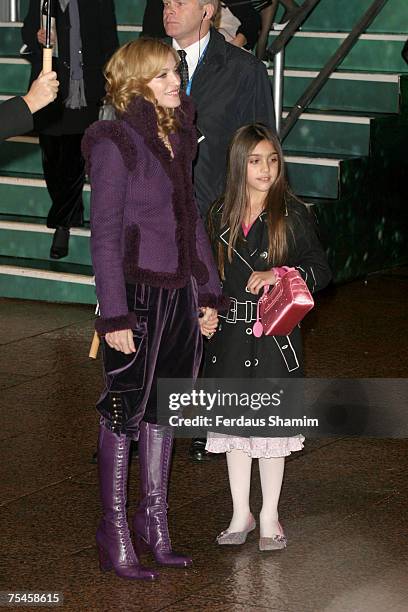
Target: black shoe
x=197 y=450
x=59 y=247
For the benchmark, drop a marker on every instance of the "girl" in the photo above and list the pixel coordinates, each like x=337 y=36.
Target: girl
x=153 y=271
x=255 y=229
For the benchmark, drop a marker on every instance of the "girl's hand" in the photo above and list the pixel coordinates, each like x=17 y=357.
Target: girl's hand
x=208 y=322
x=121 y=340
x=257 y=280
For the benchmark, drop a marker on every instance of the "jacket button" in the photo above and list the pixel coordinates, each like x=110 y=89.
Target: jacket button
x=264 y=254
x=248 y=331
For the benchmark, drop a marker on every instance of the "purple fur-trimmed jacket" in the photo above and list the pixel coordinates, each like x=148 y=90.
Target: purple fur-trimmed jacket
x=145 y=225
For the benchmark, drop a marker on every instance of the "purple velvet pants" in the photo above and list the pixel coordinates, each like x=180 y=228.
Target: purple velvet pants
x=169 y=345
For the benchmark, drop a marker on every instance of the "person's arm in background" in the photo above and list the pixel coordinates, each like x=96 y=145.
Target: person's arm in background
x=15 y=118
x=16 y=115
x=247 y=33
x=257 y=107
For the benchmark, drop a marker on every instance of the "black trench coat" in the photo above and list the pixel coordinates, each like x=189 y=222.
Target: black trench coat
x=233 y=351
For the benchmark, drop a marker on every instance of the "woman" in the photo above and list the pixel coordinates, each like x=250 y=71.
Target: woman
x=153 y=270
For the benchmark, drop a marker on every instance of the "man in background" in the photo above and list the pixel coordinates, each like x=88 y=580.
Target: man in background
x=84 y=37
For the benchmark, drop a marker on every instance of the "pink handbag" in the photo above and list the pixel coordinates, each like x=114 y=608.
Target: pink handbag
x=284 y=306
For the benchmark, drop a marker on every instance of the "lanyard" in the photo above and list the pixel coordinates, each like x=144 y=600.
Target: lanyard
x=190 y=81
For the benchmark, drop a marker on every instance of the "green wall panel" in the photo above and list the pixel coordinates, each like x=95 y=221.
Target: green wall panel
x=326 y=137
x=359 y=96
x=36 y=245
x=30 y=201
x=10 y=41
x=20 y=157
x=14 y=78
x=130 y=11
x=313 y=181
x=48 y=290
x=367 y=55
x=335 y=15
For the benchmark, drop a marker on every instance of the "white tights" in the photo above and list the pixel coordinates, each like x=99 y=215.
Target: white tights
x=271 y=473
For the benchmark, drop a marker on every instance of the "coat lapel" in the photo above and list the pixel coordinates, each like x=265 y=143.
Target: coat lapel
x=252 y=250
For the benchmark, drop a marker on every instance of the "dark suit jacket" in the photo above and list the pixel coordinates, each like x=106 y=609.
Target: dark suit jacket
x=15 y=118
x=99 y=41
x=230 y=88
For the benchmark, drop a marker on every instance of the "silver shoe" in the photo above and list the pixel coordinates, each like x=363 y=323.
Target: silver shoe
x=277 y=542
x=236 y=537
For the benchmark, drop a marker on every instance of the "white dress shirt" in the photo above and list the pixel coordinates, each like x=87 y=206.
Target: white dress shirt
x=193 y=52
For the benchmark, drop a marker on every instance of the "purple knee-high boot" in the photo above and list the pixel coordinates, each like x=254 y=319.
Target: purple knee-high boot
x=112 y=537
x=150 y=521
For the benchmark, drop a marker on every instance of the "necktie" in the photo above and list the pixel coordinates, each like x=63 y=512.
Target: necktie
x=183 y=68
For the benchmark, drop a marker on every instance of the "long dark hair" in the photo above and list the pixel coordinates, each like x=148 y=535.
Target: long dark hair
x=236 y=195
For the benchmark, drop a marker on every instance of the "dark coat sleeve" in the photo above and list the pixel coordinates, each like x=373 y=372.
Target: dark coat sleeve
x=210 y=292
x=108 y=177
x=305 y=250
x=15 y=118
x=257 y=107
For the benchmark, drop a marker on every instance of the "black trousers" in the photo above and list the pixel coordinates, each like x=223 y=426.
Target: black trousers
x=64 y=173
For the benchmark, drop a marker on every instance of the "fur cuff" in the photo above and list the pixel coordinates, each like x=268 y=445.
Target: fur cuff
x=104 y=326
x=219 y=302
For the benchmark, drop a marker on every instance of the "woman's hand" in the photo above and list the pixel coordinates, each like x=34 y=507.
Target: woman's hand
x=257 y=280
x=121 y=340
x=41 y=36
x=208 y=322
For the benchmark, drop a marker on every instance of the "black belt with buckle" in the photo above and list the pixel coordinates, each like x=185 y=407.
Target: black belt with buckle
x=241 y=311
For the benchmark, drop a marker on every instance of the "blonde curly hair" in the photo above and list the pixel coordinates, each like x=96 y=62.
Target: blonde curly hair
x=128 y=72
